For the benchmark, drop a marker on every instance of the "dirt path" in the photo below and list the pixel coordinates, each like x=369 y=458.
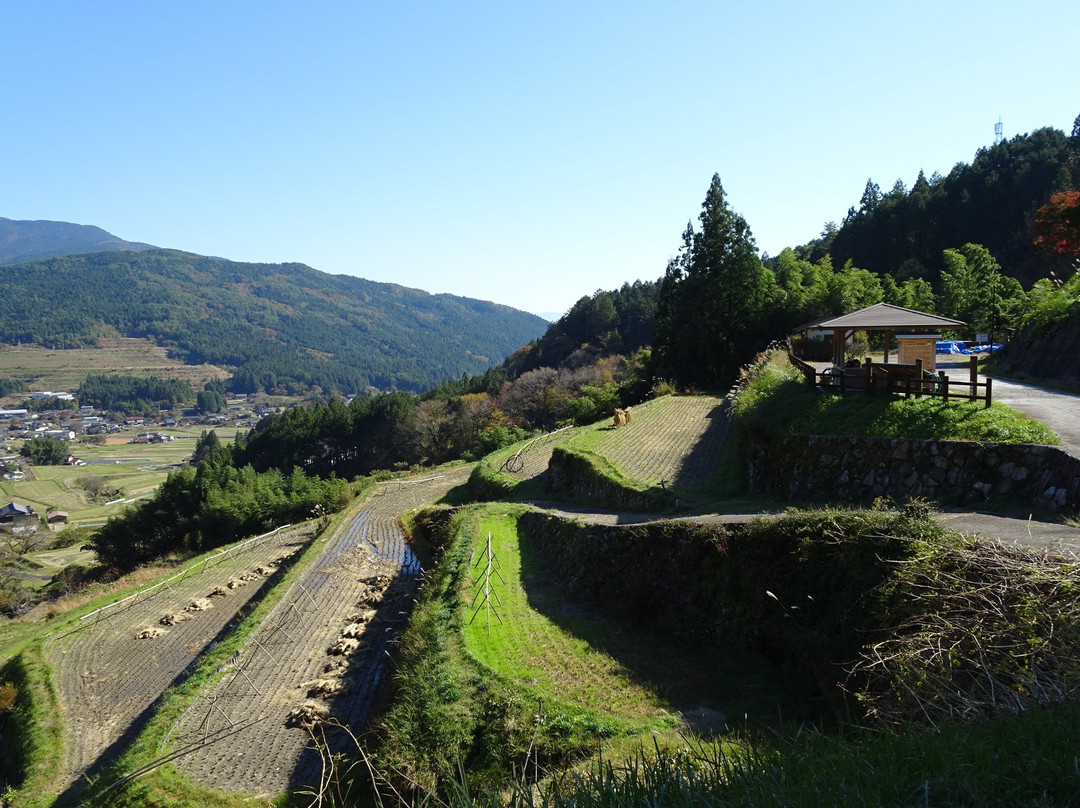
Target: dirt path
x=324 y=649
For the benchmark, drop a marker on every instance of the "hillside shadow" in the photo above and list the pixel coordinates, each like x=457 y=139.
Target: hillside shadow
x=701 y=462
x=713 y=686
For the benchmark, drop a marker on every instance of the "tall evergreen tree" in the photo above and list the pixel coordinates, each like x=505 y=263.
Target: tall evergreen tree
x=712 y=298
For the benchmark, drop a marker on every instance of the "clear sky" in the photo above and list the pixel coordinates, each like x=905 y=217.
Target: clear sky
x=527 y=153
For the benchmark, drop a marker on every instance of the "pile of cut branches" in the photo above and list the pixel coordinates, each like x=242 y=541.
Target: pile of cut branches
x=981 y=628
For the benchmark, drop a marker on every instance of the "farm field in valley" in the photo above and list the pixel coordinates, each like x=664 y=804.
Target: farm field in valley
x=64 y=370
x=136 y=469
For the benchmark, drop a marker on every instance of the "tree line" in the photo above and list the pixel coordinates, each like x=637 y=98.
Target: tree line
x=214 y=503
x=992 y=201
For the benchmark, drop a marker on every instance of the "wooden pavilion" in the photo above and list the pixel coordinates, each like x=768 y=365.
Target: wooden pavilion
x=914 y=330
x=916 y=334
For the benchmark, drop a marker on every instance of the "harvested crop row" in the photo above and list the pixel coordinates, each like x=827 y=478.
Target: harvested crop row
x=532 y=459
x=118 y=662
x=674 y=440
x=322 y=652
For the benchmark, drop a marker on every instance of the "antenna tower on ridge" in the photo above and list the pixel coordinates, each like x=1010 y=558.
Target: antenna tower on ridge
x=998 y=136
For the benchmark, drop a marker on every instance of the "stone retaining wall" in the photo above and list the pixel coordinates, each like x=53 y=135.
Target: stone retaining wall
x=860 y=469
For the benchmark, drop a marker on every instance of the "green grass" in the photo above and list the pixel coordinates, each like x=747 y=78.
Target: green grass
x=1010 y=761
x=522 y=645
x=551 y=674
x=1003 y=760
x=31 y=738
x=778 y=401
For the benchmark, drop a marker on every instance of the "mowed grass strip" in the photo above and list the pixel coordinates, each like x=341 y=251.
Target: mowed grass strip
x=529 y=648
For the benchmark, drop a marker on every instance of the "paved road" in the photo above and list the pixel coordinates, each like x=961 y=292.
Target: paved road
x=1059 y=411
x=1057 y=538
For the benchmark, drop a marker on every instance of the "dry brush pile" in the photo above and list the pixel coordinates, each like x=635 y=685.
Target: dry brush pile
x=980 y=628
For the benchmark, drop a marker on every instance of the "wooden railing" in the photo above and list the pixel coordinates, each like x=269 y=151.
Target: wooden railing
x=905 y=380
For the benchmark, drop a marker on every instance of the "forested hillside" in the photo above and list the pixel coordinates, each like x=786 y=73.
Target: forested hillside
x=993 y=201
x=278 y=326
x=22 y=241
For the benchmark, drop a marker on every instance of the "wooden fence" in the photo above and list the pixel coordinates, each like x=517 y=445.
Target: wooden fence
x=892 y=378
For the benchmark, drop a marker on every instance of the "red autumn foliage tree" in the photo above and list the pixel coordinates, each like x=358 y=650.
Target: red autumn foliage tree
x=1056 y=228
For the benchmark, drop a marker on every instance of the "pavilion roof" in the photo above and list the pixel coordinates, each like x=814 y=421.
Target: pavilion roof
x=885 y=316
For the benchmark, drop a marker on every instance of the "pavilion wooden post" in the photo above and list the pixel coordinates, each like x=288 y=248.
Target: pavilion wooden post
x=839 y=339
x=888 y=335
x=918 y=377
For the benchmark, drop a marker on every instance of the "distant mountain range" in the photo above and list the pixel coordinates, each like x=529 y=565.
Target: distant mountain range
x=22 y=241
x=281 y=327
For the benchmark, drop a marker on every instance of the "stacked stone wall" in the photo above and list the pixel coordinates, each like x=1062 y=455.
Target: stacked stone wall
x=860 y=469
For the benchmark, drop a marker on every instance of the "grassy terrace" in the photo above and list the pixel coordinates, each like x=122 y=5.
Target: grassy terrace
x=483 y=681
x=778 y=400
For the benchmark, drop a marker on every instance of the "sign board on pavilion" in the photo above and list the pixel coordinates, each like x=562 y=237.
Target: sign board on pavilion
x=918 y=346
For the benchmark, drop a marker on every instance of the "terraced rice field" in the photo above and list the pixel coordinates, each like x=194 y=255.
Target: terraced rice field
x=113 y=666
x=673 y=440
x=322 y=651
x=531 y=459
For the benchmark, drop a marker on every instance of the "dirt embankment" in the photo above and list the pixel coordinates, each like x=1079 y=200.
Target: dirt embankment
x=1047 y=353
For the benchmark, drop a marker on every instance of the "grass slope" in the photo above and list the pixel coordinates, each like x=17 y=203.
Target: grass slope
x=778 y=401
x=552 y=680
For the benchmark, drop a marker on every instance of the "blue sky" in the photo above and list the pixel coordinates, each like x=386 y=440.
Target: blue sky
x=523 y=153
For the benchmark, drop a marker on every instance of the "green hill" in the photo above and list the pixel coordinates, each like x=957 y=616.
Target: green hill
x=278 y=326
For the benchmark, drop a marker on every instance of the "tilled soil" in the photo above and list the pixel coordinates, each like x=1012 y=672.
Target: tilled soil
x=322 y=652
x=671 y=441
x=112 y=668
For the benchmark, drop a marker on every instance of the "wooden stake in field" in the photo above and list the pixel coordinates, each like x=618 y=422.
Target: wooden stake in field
x=489 y=568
